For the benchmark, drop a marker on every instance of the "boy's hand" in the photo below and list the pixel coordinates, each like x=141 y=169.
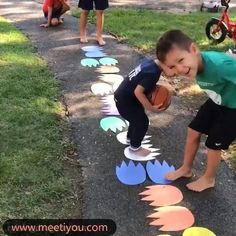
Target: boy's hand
x=158 y=108
x=44 y=25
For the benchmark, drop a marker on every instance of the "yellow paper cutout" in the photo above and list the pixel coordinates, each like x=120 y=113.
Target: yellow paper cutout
x=198 y=231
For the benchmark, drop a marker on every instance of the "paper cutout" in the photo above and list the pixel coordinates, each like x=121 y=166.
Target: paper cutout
x=172 y=218
x=107 y=69
x=92 y=48
x=163 y=235
x=110 y=110
x=112 y=123
x=95 y=54
x=101 y=89
x=130 y=155
x=111 y=78
x=162 y=195
x=131 y=174
x=198 y=231
x=90 y=62
x=108 y=99
x=122 y=138
x=108 y=61
x=116 y=85
x=157 y=171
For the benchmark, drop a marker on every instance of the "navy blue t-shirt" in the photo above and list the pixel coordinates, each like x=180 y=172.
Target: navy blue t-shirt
x=146 y=74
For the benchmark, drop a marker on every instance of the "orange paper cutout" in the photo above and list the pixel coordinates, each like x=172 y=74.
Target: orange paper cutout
x=162 y=195
x=172 y=218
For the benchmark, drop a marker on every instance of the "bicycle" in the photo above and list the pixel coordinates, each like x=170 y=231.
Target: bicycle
x=217 y=29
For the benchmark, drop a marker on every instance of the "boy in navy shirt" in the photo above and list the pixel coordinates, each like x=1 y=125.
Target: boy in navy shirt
x=132 y=99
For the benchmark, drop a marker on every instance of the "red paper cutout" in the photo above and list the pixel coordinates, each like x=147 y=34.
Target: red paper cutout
x=172 y=218
x=162 y=195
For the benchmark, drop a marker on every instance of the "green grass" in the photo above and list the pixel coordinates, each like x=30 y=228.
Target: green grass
x=33 y=182
x=141 y=28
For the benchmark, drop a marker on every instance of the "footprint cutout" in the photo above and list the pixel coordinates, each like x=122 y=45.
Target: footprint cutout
x=157 y=171
x=131 y=174
x=101 y=89
x=108 y=61
x=90 y=62
x=162 y=195
x=172 y=218
x=112 y=123
x=121 y=137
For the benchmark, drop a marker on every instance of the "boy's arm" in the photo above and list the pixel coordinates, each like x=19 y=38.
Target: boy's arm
x=228 y=71
x=139 y=93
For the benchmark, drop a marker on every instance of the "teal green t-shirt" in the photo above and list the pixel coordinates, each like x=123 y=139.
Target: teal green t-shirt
x=218 y=78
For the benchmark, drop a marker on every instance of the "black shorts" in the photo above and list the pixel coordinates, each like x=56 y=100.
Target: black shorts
x=218 y=122
x=88 y=4
x=56 y=13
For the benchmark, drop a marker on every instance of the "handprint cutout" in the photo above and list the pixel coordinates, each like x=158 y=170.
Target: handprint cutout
x=122 y=138
x=132 y=156
x=162 y=195
x=108 y=61
x=90 y=62
x=172 y=218
x=112 y=123
x=131 y=174
x=157 y=171
x=107 y=69
x=101 y=89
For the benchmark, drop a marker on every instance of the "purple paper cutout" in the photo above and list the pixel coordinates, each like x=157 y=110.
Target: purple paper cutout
x=110 y=110
x=157 y=171
x=131 y=174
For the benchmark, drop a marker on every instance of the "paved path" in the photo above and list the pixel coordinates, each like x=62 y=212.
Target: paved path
x=99 y=152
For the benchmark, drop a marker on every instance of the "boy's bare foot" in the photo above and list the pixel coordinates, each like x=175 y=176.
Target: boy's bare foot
x=181 y=172
x=141 y=152
x=83 y=39
x=101 y=42
x=201 y=184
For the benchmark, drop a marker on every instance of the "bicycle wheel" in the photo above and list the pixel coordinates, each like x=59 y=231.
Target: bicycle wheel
x=216 y=36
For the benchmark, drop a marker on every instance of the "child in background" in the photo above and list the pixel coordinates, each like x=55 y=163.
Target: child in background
x=131 y=101
x=86 y=6
x=215 y=73
x=53 y=10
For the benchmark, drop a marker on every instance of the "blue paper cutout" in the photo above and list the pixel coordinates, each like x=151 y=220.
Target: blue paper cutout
x=89 y=62
x=112 y=123
x=157 y=171
x=108 y=61
x=91 y=48
x=95 y=54
x=131 y=174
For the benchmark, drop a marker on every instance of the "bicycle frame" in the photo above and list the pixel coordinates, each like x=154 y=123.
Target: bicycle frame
x=231 y=26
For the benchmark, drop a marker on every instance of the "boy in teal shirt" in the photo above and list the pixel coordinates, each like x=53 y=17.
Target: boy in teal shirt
x=215 y=73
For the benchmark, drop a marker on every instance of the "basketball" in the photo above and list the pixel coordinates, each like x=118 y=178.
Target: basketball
x=161 y=95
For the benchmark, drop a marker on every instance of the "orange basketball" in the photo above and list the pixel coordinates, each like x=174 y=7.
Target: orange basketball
x=161 y=95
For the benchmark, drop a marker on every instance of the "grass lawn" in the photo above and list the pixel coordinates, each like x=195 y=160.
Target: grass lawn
x=33 y=180
x=141 y=28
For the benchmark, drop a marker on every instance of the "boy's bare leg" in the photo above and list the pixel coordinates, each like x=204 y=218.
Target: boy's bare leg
x=208 y=179
x=99 y=27
x=140 y=152
x=191 y=147
x=82 y=26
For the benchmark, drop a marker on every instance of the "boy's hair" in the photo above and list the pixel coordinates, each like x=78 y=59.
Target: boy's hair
x=169 y=40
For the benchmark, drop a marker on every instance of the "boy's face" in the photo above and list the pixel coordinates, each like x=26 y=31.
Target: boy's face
x=183 y=62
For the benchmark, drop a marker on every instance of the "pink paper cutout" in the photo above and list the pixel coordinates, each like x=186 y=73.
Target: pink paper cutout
x=172 y=218
x=162 y=195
